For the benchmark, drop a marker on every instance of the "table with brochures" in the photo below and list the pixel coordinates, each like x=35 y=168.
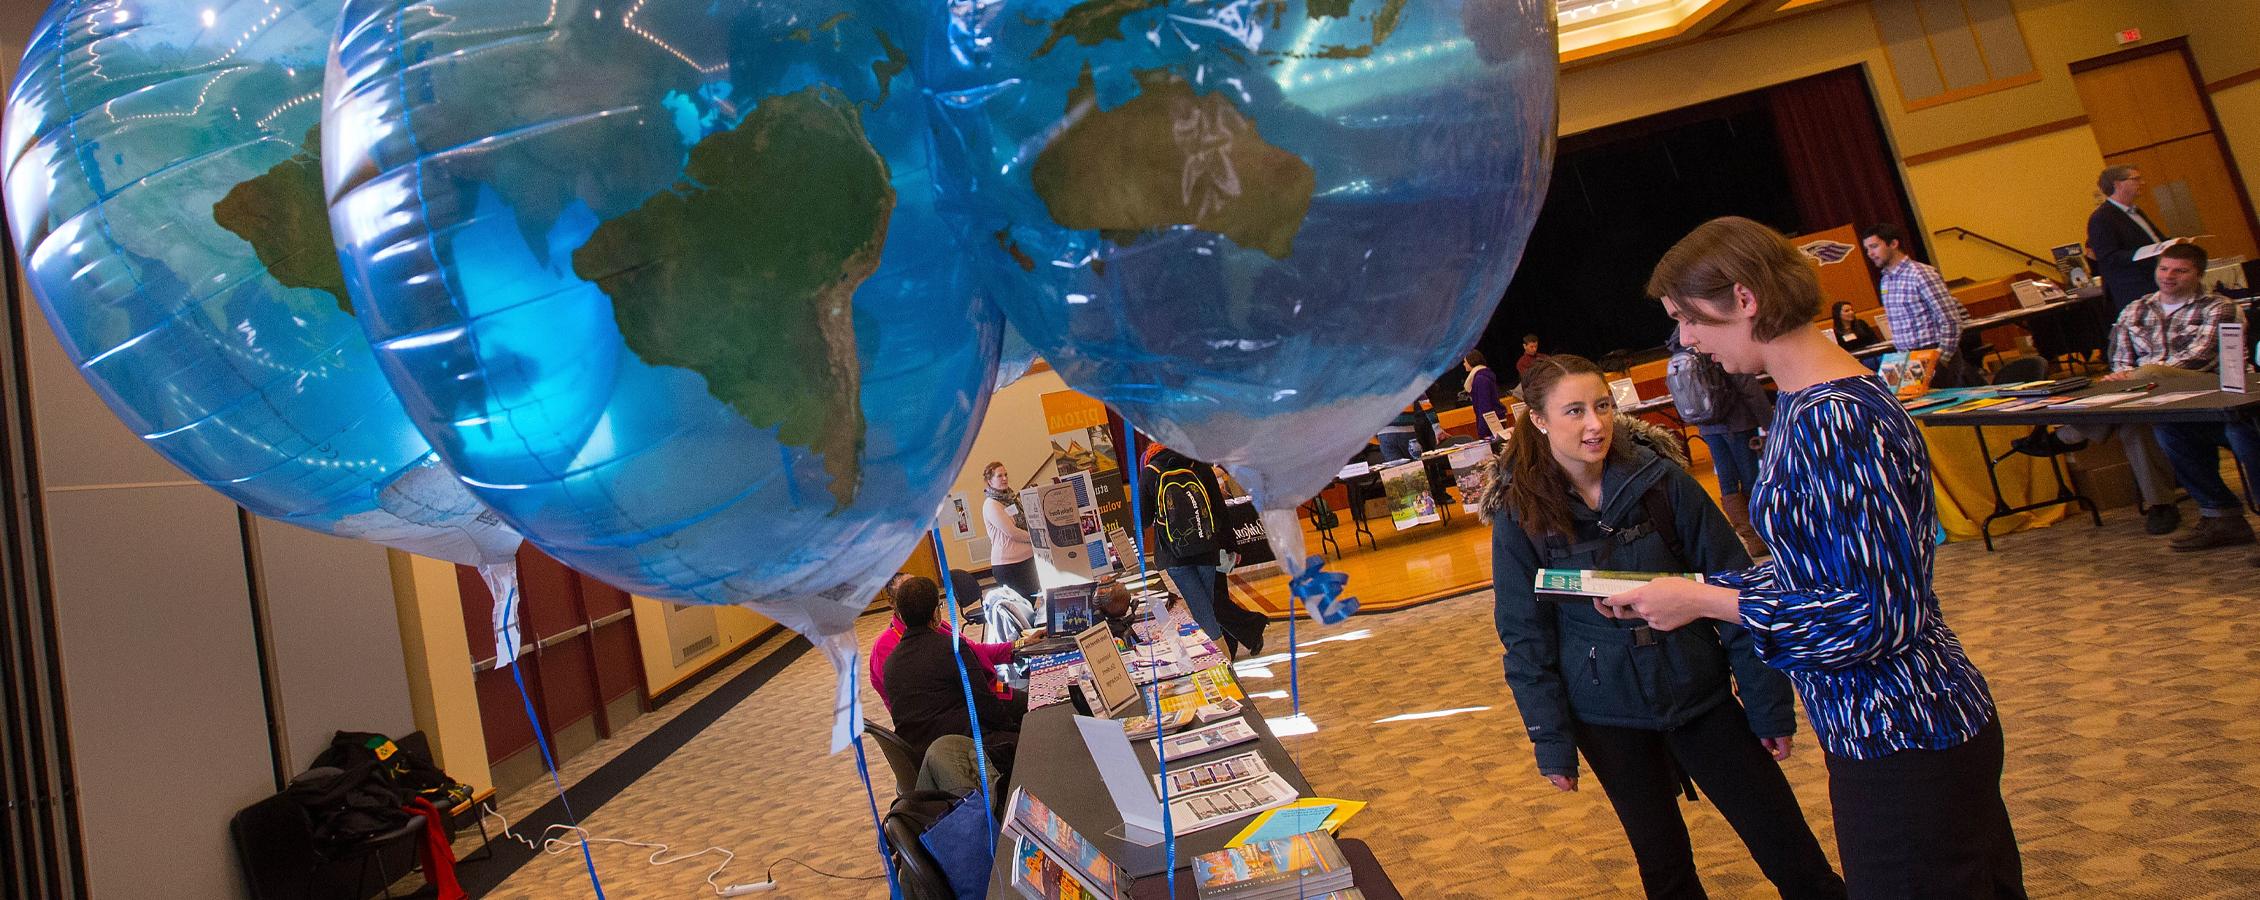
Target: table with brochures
x=1055 y=765
x=2195 y=397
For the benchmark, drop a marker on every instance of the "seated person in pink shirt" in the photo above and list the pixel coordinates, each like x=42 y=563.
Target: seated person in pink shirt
x=986 y=656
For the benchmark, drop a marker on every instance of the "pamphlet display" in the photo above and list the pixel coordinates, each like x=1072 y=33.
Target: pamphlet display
x=1908 y=372
x=1125 y=779
x=1410 y=502
x=2235 y=364
x=1187 y=778
x=1050 y=860
x=1234 y=801
x=1081 y=441
x=1230 y=732
x=1471 y=473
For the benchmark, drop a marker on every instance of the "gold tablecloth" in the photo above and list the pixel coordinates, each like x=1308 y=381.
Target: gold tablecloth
x=1958 y=475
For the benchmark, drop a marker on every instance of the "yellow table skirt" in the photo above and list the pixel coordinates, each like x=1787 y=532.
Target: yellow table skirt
x=1964 y=499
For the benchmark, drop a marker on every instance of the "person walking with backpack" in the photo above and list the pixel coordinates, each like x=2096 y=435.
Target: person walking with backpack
x=1728 y=411
x=1180 y=495
x=1650 y=709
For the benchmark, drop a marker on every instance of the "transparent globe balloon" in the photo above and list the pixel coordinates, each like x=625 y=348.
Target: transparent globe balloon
x=163 y=187
x=1256 y=228
x=666 y=284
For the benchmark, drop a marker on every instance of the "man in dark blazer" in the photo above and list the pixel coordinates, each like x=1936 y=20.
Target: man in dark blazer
x=2115 y=231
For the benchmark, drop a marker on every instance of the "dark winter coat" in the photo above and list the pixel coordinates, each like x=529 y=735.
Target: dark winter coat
x=1563 y=659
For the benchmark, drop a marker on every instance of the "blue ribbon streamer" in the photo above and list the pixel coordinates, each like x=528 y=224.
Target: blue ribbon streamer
x=965 y=681
x=863 y=770
x=1153 y=697
x=518 y=675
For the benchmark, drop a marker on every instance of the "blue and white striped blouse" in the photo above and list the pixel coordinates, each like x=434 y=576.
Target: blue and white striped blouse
x=1845 y=607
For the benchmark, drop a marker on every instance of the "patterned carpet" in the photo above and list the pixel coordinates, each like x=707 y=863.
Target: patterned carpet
x=2124 y=673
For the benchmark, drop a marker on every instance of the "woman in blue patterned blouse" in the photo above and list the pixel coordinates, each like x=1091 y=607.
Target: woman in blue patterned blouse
x=1845 y=608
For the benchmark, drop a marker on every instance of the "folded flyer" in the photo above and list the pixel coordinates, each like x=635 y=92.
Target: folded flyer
x=1584 y=583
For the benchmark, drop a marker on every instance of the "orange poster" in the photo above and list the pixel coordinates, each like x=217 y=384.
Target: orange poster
x=1843 y=267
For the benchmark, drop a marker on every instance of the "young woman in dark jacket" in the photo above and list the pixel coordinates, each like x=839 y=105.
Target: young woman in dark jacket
x=1650 y=709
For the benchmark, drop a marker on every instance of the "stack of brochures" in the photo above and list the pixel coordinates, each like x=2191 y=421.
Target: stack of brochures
x=1050 y=861
x=1307 y=865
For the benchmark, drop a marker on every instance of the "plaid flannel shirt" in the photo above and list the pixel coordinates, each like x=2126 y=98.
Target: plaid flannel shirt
x=2188 y=338
x=1922 y=313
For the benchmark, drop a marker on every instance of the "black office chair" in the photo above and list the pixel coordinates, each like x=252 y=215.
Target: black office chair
x=920 y=874
x=2020 y=370
x=900 y=756
x=274 y=842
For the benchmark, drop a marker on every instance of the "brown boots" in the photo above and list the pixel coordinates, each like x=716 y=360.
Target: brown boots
x=1737 y=509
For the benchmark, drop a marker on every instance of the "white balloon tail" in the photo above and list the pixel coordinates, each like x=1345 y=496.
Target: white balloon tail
x=1284 y=531
x=847 y=701
x=502 y=582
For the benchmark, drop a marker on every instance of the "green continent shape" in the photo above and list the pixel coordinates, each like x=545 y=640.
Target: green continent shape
x=1093 y=22
x=886 y=68
x=1321 y=9
x=1385 y=22
x=282 y=215
x=745 y=271
x=1172 y=157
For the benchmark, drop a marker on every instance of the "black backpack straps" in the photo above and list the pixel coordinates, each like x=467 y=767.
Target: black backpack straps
x=1662 y=518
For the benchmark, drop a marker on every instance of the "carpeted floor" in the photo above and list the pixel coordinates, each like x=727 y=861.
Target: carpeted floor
x=2124 y=673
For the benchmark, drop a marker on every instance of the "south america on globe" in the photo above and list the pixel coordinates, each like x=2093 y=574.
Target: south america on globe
x=745 y=271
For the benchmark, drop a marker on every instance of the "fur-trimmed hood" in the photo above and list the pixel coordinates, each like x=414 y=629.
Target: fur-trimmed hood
x=1663 y=441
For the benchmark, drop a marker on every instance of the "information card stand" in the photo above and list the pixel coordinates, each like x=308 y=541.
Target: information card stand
x=2234 y=362
x=1125 y=780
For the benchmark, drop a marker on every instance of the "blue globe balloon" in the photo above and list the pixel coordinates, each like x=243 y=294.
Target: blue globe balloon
x=1256 y=228
x=162 y=185
x=665 y=282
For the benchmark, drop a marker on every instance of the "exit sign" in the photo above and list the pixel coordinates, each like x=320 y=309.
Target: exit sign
x=2130 y=35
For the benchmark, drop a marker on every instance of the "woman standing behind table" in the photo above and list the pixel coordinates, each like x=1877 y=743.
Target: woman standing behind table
x=1649 y=709
x=1912 y=739
x=1012 y=555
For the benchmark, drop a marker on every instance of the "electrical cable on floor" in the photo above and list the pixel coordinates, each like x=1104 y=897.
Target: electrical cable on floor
x=660 y=855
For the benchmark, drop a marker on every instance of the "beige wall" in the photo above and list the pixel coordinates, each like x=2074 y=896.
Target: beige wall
x=1013 y=432
x=436 y=650
x=2034 y=193
x=732 y=625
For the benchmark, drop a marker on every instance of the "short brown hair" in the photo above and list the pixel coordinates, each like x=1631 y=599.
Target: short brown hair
x=990 y=471
x=1706 y=265
x=2189 y=253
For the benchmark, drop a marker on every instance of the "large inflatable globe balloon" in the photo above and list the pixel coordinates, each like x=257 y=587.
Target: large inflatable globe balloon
x=162 y=186
x=1257 y=228
x=664 y=281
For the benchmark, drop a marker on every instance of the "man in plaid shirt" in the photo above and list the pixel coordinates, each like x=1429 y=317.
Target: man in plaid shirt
x=2177 y=327
x=2180 y=326
x=1921 y=312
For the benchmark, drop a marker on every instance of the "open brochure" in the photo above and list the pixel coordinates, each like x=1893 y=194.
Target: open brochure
x=1193 y=777
x=1192 y=812
x=1589 y=583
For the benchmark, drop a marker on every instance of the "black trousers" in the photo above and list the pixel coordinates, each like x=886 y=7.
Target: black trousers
x=1020 y=576
x=1927 y=823
x=1640 y=770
